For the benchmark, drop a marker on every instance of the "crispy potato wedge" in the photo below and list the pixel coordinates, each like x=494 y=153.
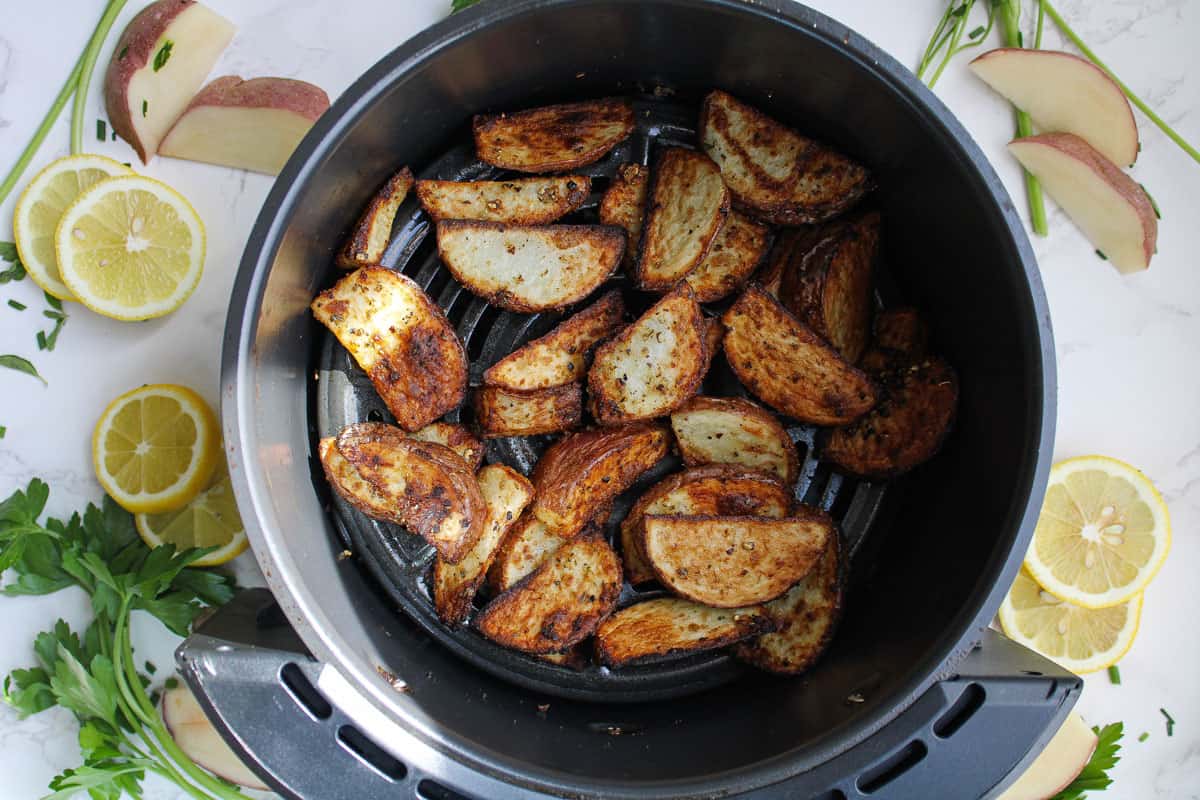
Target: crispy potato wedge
x=553 y=138
x=774 y=173
x=716 y=489
x=369 y=239
x=573 y=658
x=727 y=562
x=807 y=616
x=736 y=252
x=654 y=365
x=730 y=430
x=558 y=604
x=529 y=544
x=784 y=248
x=346 y=481
x=528 y=268
x=789 y=367
x=524 y=201
x=401 y=339
x=503 y=412
x=561 y=355
x=668 y=627
x=902 y=330
x=579 y=474
x=457 y=438
x=714 y=335
x=688 y=204
x=433 y=492
x=624 y=205
x=505 y=492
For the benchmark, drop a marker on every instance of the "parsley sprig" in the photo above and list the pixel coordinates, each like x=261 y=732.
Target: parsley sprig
x=1094 y=777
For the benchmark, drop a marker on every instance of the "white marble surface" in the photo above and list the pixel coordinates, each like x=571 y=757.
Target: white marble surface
x=1128 y=382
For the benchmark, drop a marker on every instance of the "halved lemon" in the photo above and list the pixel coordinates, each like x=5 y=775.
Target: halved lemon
x=42 y=205
x=210 y=520
x=1080 y=639
x=1103 y=533
x=155 y=448
x=131 y=248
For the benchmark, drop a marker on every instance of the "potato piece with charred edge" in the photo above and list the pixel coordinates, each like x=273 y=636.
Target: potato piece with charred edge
x=560 y=356
x=727 y=562
x=505 y=492
x=688 y=204
x=525 y=201
x=351 y=487
x=528 y=268
x=789 y=367
x=731 y=430
x=654 y=365
x=787 y=244
x=502 y=412
x=457 y=438
x=668 y=627
x=774 y=173
x=736 y=252
x=530 y=543
x=553 y=138
x=714 y=335
x=401 y=339
x=624 y=205
x=369 y=239
x=574 y=658
x=902 y=330
x=558 y=604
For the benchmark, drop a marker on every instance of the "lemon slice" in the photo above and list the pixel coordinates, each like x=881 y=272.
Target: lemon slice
x=1102 y=535
x=130 y=248
x=1080 y=639
x=41 y=206
x=155 y=448
x=210 y=520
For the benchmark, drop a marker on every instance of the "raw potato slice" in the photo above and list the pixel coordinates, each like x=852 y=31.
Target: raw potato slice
x=902 y=330
x=505 y=492
x=624 y=205
x=774 y=173
x=807 y=616
x=688 y=206
x=788 y=367
x=370 y=237
x=457 y=438
x=726 y=562
x=730 y=430
x=526 y=201
x=191 y=729
x=653 y=366
x=528 y=268
x=1111 y=209
x=560 y=356
x=668 y=627
x=529 y=544
x=560 y=603
x=401 y=340
x=1056 y=767
x=553 y=138
x=502 y=412
x=736 y=252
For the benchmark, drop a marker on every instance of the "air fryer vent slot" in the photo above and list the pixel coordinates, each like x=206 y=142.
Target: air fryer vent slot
x=892 y=767
x=370 y=753
x=432 y=790
x=304 y=693
x=970 y=701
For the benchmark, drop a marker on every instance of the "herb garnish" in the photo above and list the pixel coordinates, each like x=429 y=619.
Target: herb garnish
x=20 y=365
x=459 y=5
x=46 y=341
x=1114 y=675
x=16 y=270
x=101 y=131
x=145 y=107
x=3 y=431
x=1143 y=737
x=163 y=55
x=17 y=305
x=1150 y=197
x=1170 y=722
x=1094 y=777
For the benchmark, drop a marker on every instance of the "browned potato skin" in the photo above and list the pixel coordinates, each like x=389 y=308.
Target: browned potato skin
x=502 y=412
x=524 y=201
x=694 y=453
x=350 y=485
x=457 y=438
x=789 y=367
x=738 y=249
x=560 y=603
x=529 y=543
x=714 y=335
x=624 y=205
x=369 y=239
x=902 y=330
x=664 y=628
x=785 y=247
x=553 y=138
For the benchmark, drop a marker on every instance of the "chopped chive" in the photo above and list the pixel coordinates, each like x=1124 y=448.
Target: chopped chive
x=1150 y=197
x=101 y=130
x=124 y=52
x=1170 y=722
x=1102 y=256
x=145 y=107
x=52 y=301
x=1114 y=675
x=150 y=668
x=41 y=340
x=1143 y=737
x=171 y=683
x=975 y=34
x=3 y=430
x=163 y=55
x=16 y=305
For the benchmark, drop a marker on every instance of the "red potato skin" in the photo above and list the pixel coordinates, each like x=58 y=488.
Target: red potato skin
x=285 y=94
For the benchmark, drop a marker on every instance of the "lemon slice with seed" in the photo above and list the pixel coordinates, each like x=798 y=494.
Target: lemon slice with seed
x=210 y=520
x=1103 y=533
x=42 y=205
x=130 y=248
x=155 y=448
x=1080 y=639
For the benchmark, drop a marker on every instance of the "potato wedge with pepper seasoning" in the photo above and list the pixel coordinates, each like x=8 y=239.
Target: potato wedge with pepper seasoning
x=524 y=201
x=369 y=238
x=670 y=627
x=553 y=138
x=501 y=412
x=732 y=430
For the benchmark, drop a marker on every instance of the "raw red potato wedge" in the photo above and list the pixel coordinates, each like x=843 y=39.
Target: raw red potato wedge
x=668 y=627
x=401 y=339
x=369 y=239
x=501 y=412
x=774 y=173
x=736 y=252
x=530 y=543
x=196 y=736
x=624 y=205
x=457 y=438
x=553 y=138
x=528 y=268
x=730 y=430
x=525 y=201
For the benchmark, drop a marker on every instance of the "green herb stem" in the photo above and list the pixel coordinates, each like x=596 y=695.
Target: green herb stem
x=1010 y=11
x=87 y=66
x=43 y=129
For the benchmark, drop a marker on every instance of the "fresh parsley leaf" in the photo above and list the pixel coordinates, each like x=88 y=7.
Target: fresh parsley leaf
x=1094 y=777
x=163 y=55
x=28 y=691
x=8 y=251
x=21 y=365
x=16 y=270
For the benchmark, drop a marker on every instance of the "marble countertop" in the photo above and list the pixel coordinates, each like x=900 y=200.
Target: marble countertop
x=1128 y=385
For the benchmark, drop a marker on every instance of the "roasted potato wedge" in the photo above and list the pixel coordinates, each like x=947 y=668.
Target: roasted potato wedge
x=727 y=562
x=901 y=330
x=558 y=604
x=730 y=430
x=736 y=252
x=714 y=335
x=553 y=138
x=505 y=492
x=688 y=204
x=370 y=237
x=528 y=268
x=503 y=412
x=807 y=616
x=789 y=367
x=529 y=544
x=774 y=173
x=561 y=355
x=716 y=489
x=457 y=438
x=346 y=481
x=668 y=627
x=624 y=205
x=524 y=201
x=433 y=492
x=654 y=365
x=401 y=339
x=784 y=250
x=579 y=474
x=575 y=658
